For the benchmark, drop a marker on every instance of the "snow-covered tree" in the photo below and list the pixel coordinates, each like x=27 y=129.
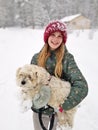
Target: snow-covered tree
x=54 y=10
x=6 y=13
x=39 y=12
x=24 y=13
x=40 y=15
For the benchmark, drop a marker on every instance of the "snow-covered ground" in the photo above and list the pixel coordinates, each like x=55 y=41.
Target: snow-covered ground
x=17 y=47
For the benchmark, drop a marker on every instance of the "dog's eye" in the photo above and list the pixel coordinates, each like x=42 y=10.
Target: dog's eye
x=21 y=75
x=29 y=76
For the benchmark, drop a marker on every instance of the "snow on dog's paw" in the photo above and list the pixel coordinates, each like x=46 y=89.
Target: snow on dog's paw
x=62 y=127
x=26 y=105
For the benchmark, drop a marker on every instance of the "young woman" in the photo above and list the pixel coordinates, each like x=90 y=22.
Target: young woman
x=56 y=59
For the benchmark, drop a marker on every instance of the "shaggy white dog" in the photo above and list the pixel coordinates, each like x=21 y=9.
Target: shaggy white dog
x=39 y=88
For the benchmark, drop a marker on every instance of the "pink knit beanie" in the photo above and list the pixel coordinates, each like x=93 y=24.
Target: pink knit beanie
x=53 y=27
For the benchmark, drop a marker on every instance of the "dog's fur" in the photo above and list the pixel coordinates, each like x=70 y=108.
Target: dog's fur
x=30 y=78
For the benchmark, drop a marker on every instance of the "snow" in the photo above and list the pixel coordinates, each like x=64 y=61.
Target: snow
x=17 y=47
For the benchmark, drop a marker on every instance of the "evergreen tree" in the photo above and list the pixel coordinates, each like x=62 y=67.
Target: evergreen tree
x=39 y=12
x=6 y=13
x=40 y=15
x=24 y=13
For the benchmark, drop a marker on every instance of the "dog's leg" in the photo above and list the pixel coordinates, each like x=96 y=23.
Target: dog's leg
x=26 y=105
x=25 y=102
x=66 y=119
x=59 y=127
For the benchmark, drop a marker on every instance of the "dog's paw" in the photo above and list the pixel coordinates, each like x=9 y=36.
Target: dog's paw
x=26 y=105
x=63 y=127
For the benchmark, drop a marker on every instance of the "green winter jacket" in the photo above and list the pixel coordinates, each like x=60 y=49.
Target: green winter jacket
x=71 y=73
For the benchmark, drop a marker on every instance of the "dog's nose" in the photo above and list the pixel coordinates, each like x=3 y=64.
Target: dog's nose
x=23 y=82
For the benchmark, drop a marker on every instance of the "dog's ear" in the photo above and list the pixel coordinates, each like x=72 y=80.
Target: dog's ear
x=17 y=71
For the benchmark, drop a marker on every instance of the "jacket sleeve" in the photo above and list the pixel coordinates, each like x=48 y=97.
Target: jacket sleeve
x=79 y=87
x=34 y=59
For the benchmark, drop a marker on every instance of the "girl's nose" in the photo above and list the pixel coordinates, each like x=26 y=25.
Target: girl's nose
x=55 y=38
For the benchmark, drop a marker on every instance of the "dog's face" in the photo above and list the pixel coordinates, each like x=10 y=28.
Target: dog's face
x=29 y=76
x=26 y=78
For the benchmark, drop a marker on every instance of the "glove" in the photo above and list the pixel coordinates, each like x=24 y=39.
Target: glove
x=42 y=98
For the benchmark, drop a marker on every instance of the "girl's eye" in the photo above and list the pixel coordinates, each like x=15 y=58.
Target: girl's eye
x=52 y=35
x=60 y=36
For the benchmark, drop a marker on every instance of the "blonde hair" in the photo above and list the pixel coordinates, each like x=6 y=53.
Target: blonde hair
x=45 y=53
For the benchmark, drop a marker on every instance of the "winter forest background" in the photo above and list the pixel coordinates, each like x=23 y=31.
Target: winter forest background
x=37 y=13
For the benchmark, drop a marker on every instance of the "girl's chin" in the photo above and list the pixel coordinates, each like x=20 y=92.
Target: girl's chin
x=53 y=48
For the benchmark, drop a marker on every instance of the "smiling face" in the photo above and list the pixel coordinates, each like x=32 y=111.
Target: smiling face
x=55 y=40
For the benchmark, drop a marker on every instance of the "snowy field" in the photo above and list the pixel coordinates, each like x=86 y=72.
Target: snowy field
x=17 y=47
